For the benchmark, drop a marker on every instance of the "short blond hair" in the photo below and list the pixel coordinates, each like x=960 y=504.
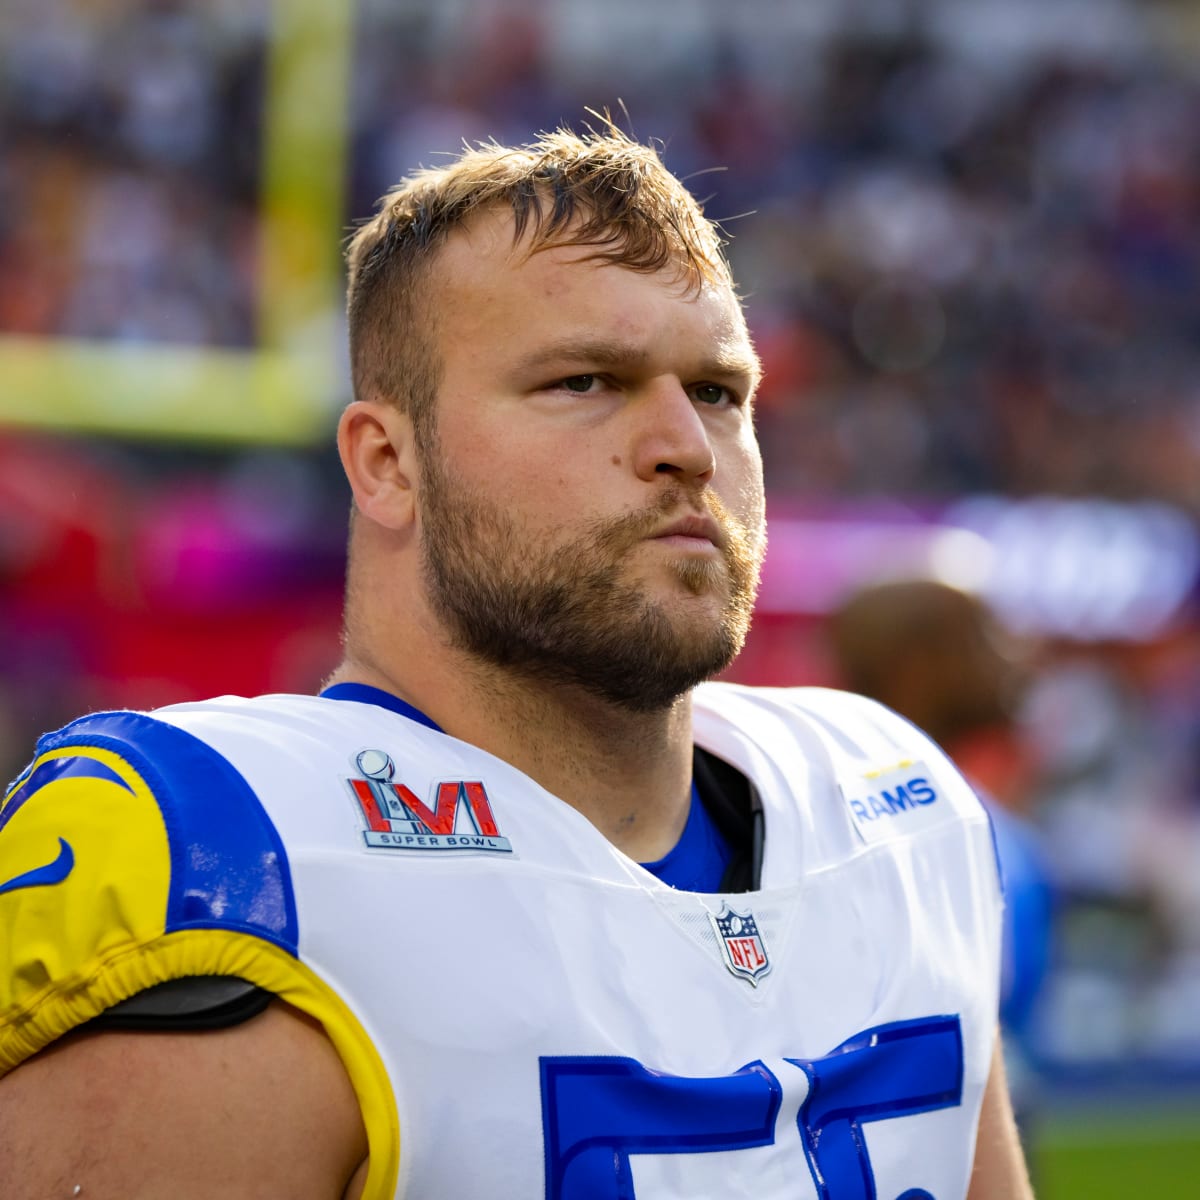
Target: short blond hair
x=600 y=189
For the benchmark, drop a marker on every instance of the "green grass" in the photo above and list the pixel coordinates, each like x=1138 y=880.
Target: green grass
x=1111 y=1157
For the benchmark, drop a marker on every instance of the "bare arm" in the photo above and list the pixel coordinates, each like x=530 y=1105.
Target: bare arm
x=261 y=1109
x=1000 y=1172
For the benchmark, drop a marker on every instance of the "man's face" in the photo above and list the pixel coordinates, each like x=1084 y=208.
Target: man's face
x=591 y=505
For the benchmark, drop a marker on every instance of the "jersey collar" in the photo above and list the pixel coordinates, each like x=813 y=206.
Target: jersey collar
x=364 y=693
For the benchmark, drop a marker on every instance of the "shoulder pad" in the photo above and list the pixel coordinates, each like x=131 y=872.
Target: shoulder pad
x=123 y=839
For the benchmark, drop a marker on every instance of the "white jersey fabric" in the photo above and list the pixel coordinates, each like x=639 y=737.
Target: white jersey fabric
x=551 y=1020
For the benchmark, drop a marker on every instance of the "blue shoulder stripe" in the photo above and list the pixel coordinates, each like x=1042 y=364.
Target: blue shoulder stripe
x=48 y=772
x=229 y=868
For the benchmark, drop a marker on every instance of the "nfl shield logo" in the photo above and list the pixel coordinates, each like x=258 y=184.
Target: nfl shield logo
x=742 y=946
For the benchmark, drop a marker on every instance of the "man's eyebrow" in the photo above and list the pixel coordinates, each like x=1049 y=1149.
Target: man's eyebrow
x=723 y=360
x=602 y=352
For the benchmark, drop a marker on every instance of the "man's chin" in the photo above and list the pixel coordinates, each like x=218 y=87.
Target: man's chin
x=701 y=576
x=702 y=609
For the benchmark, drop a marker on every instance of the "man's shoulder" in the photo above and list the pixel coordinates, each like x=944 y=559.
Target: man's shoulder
x=298 y=724
x=130 y=851
x=146 y=730
x=857 y=746
x=261 y=736
x=172 y=755
x=852 y=719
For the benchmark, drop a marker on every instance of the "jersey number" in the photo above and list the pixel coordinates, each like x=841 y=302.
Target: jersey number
x=598 y=1112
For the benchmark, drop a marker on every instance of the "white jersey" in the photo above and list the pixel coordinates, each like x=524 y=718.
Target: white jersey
x=523 y=1010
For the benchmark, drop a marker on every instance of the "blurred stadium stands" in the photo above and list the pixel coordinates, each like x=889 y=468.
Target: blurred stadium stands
x=972 y=268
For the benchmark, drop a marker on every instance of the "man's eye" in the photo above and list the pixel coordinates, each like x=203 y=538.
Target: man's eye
x=711 y=393
x=579 y=383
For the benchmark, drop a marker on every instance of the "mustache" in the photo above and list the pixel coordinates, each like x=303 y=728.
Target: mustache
x=625 y=531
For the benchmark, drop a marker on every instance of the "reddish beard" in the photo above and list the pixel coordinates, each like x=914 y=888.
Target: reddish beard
x=566 y=614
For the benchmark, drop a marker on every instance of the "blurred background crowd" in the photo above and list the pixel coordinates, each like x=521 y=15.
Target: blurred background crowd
x=966 y=232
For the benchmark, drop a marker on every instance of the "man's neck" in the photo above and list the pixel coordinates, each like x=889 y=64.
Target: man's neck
x=628 y=773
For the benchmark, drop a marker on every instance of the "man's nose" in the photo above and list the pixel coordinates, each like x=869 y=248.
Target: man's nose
x=671 y=436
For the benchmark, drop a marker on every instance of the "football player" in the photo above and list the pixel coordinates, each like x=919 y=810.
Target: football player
x=520 y=905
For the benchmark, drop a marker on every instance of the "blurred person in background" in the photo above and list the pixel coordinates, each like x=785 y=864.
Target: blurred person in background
x=937 y=655
x=519 y=905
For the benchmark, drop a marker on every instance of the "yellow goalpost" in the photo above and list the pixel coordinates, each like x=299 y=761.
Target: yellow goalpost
x=280 y=391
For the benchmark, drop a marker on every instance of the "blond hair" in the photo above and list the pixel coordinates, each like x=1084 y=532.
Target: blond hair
x=598 y=189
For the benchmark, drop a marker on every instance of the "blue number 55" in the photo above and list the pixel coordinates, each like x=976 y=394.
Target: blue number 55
x=598 y=1112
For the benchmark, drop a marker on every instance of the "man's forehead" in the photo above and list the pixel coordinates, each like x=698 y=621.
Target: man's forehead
x=485 y=278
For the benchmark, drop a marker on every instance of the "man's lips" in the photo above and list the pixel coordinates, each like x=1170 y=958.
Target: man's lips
x=692 y=532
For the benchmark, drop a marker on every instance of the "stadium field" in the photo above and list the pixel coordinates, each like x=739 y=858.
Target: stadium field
x=1113 y=1157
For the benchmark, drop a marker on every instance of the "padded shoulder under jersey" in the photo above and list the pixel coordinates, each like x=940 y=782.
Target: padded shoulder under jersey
x=200 y=1002
x=132 y=853
x=475 y=947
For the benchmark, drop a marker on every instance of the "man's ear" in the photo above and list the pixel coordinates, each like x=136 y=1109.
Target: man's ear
x=375 y=441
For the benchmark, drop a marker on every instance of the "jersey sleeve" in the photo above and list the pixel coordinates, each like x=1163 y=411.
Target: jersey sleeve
x=132 y=853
